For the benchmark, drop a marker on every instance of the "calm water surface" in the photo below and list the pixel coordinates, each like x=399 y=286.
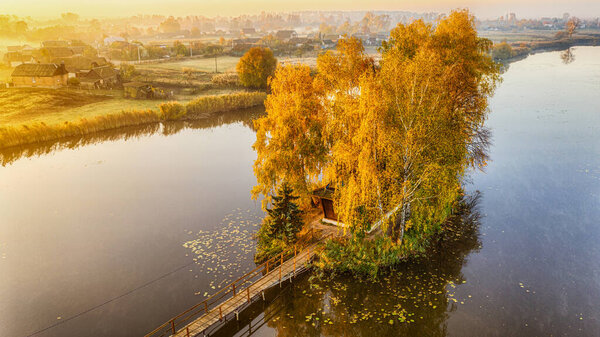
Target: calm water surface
x=145 y=222
x=113 y=235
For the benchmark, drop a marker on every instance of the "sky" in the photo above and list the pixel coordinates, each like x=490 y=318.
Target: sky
x=110 y=8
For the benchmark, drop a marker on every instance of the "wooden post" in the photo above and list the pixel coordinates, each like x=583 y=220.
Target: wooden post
x=248 y=292
x=173 y=326
x=206 y=306
x=220 y=313
x=280 y=266
x=187 y=331
x=267 y=266
x=233 y=286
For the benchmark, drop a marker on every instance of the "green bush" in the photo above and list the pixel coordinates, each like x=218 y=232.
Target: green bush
x=225 y=80
x=360 y=256
x=171 y=110
x=502 y=51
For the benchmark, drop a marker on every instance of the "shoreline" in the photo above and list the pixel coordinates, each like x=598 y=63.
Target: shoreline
x=550 y=46
x=37 y=132
x=197 y=109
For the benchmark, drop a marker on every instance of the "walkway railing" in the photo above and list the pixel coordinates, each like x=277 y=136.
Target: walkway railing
x=241 y=285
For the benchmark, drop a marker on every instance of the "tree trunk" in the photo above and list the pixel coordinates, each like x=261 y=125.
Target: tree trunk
x=397 y=233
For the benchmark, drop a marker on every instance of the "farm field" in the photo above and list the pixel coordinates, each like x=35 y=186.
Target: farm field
x=224 y=64
x=51 y=106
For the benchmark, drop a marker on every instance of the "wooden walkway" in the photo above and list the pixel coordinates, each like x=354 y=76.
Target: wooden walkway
x=229 y=300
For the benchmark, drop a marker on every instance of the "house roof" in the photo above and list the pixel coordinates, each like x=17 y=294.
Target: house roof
x=78 y=63
x=16 y=56
x=285 y=34
x=324 y=193
x=59 y=51
x=55 y=43
x=39 y=70
x=101 y=72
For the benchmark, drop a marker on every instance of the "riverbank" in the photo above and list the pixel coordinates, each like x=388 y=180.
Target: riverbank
x=38 y=129
x=520 y=50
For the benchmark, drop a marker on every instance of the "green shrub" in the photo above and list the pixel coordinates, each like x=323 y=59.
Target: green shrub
x=360 y=256
x=171 y=110
x=225 y=80
x=502 y=51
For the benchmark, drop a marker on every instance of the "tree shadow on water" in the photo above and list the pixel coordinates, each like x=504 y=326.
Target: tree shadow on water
x=567 y=56
x=245 y=116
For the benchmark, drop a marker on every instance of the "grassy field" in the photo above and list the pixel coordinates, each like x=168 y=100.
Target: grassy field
x=32 y=115
x=30 y=105
x=24 y=105
x=224 y=64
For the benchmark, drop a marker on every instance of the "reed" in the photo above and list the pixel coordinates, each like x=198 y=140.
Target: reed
x=198 y=108
x=40 y=132
x=221 y=103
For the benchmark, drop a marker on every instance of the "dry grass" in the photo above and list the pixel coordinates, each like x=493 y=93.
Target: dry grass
x=212 y=104
x=40 y=132
x=20 y=105
x=14 y=134
x=224 y=63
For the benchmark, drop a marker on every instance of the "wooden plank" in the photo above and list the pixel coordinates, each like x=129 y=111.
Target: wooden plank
x=286 y=270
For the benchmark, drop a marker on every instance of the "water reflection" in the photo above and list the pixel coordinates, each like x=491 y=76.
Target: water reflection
x=246 y=117
x=415 y=299
x=567 y=56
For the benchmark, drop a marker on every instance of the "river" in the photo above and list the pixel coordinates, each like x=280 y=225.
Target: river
x=114 y=235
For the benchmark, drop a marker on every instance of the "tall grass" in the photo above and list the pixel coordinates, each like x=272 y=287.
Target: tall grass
x=40 y=132
x=220 y=103
x=198 y=108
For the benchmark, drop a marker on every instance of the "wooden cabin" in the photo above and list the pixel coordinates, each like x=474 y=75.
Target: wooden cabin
x=48 y=75
x=324 y=197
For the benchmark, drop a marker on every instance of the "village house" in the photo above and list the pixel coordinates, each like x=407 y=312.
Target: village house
x=248 y=31
x=48 y=75
x=99 y=77
x=55 y=44
x=14 y=58
x=77 y=66
x=47 y=54
x=285 y=35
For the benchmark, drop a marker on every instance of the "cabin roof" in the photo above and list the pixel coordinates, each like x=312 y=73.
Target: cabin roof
x=39 y=70
x=324 y=193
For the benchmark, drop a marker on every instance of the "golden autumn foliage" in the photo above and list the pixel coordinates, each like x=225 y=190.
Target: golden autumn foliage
x=256 y=66
x=290 y=139
x=395 y=139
